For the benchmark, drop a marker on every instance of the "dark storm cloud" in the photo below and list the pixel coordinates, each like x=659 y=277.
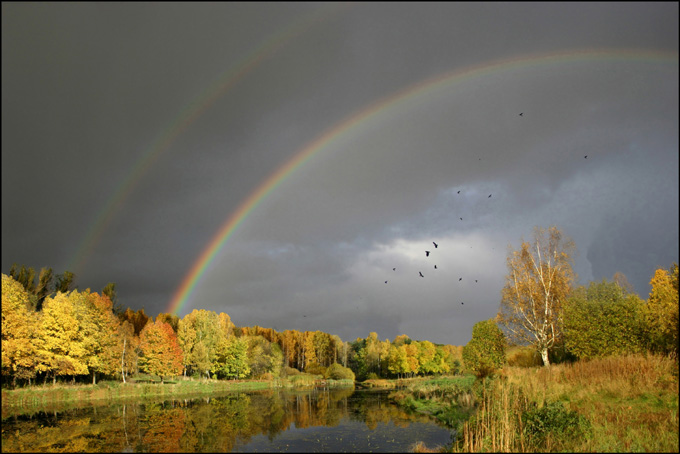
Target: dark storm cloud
x=90 y=89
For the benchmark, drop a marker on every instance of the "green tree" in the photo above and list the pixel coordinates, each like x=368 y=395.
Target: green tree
x=537 y=285
x=603 y=320
x=486 y=350
x=65 y=282
x=232 y=358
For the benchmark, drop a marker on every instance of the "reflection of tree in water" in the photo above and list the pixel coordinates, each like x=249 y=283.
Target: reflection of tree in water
x=202 y=424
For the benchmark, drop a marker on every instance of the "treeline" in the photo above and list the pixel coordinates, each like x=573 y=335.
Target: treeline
x=602 y=319
x=52 y=331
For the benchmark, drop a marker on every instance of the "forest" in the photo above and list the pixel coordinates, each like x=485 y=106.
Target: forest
x=51 y=331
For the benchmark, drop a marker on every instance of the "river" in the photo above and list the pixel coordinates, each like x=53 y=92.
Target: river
x=336 y=420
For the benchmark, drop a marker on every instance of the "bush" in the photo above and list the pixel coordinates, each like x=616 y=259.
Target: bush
x=524 y=357
x=315 y=369
x=486 y=350
x=337 y=372
x=555 y=420
x=372 y=376
x=290 y=371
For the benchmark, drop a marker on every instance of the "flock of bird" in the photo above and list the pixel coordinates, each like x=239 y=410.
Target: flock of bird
x=436 y=245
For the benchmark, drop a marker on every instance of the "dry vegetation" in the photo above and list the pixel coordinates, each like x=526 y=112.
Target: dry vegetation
x=625 y=403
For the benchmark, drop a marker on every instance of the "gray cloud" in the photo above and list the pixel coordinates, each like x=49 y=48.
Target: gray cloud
x=206 y=101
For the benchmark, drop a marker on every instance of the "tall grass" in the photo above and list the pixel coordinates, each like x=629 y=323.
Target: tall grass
x=624 y=403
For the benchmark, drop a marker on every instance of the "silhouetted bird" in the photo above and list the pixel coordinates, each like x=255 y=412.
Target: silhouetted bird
x=435 y=267
x=521 y=114
x=421 y=274
x=462 y=303
x=427 y=253
x=394 y=269
x=435 y=245
x=489 y=196
x=586 y=156
x=475 y=280
x=461 y=219
x=458 y=192
x=385 y=282
x=460 y=279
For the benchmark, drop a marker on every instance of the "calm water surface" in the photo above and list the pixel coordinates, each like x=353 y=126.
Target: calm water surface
x=342 y=420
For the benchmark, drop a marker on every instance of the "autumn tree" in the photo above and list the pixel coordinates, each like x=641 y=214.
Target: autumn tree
x=99 y=328
x=45 y=281
x=486 y=350
x=662 y=310
x=19 y=331
x=160 y=353
x=62 y=349
x=537 y=285
x=398 y=362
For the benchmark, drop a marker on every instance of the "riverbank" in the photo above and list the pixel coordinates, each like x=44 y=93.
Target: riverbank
x=32 y=398
x=614 y=404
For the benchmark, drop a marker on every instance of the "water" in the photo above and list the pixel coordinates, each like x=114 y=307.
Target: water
x=342 y=420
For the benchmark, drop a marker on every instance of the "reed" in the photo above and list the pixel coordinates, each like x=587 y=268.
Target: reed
x=624 y=403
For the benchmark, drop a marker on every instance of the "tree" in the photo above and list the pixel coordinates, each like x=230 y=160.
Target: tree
x=19 y=331
x=44 y=284
x=662 y=310
x=161 y=355
x=62 y=349
x=537 y=285
x=486 y=350
x=99 y=328
x=603 y=320
x=64 y=282
x=398 y=362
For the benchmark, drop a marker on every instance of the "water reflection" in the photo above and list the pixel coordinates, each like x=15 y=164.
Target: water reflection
x=341 y=420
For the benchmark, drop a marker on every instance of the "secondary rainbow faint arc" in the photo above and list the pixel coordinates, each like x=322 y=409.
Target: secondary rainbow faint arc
x=183 y=292
x=185 y=118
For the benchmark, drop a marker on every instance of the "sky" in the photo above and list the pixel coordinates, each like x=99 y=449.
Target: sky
x=280 y=162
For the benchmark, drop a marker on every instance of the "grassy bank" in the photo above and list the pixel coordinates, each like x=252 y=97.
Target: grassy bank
x=448 y=399
x=37 y=397
x=616 y=404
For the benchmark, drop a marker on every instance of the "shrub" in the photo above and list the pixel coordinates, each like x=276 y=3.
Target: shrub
x=337 y=372
x=554 y=420
x=486 y=350
x=315 y=369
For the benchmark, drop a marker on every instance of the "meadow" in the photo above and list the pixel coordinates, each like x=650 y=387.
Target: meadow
x=614 y=404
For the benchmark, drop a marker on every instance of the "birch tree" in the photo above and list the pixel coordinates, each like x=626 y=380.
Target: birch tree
x=538 y=282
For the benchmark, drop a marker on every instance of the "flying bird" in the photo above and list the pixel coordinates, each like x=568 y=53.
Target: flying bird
x=421 y=274
x=462 y=302
x=461 y=219
x=385 y=282
x=458 y=192
x=475 y=280
x=435 y=245
x=427 y=253
x=521 y=114
x=489 y=196
x=460 y=279
x=585 y=157
x=394 y=269
x=435 y=267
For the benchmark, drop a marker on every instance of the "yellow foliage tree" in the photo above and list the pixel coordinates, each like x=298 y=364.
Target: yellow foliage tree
x=662 y=310
x=62 y=349
x=19 y=331
x=538 y=283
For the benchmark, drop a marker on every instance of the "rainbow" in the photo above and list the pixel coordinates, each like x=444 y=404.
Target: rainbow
x=198 y=269
x=225 y=82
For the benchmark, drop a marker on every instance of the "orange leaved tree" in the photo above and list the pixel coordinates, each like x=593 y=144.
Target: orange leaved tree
x=160 y=352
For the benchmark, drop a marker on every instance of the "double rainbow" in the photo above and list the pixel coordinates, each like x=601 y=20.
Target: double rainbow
x=198 y=269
